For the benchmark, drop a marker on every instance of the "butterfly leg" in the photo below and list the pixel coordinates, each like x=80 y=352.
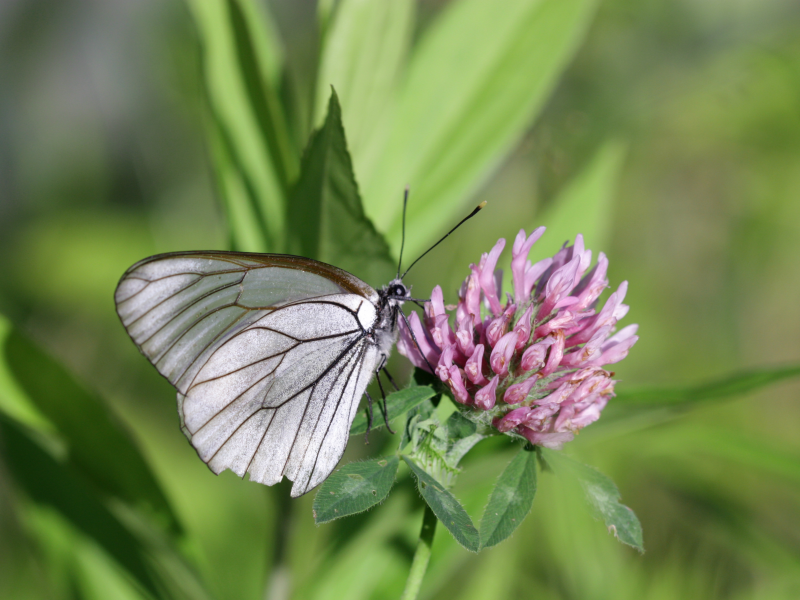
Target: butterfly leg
x=385 y=408
x=369 y=416
x=391 y=379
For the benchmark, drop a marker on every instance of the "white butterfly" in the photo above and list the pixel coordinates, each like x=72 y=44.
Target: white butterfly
x=270 y=354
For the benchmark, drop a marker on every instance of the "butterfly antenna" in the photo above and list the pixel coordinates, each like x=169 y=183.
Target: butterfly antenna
x=403 y=239
x=460 y=223
x=416 y=343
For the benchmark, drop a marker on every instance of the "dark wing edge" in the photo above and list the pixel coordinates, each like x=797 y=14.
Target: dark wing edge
x=347 y=281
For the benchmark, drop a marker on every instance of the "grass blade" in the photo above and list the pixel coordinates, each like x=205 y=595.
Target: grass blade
x=687 y=396
x=476 y=81
x=233 y=92
x=99 y=446
x=363 y=56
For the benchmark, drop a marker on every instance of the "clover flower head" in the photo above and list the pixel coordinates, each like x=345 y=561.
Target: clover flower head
x=534 y=364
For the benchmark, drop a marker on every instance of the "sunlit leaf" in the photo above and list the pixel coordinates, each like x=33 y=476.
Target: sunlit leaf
x=397 y=404
x=446 y=508
x=354 y=488
x=99 y=446
x=248 y=232
x=260 y=93
x=363 y=55
x=511 y=499
x=584 y=207
x=326 y=220
x=231 y=86
x=455 y=124
x=602 y=496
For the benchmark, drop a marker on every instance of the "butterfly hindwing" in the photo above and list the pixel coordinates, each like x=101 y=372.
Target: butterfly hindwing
x=270 y=356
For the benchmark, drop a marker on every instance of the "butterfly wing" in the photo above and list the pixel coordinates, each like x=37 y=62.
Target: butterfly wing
x=270 y=355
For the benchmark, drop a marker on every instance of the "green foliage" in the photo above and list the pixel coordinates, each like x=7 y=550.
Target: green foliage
x=397 y=404
x=354 y=488
x=40 y=393
x=255 y=164
x=731 y=386
x=453 y=126
x=100 y=500
x=363 y=58
x=48 y=482
x=446 y=508
x=602 y=496
x=64 y=449
x=649 y=405
x=584 y=206
x=325 y=217
x=511 y=499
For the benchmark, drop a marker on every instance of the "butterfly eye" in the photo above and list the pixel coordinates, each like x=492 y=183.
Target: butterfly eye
x=398 y=291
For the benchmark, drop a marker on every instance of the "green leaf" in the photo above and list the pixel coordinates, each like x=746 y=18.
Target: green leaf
x=326 y=220
x=601 y=495
x=585 y=206
x=245 y=222
x=98 y=445
x=511 y=499
x=397 y=404
x=240 y=65
x=262 y=98
x=363 y=55
x=638 y=407
x=354 y=488
x=461 y=435
x=476 y=81
x=48 y=482
x=726 y=387
x=446 y=508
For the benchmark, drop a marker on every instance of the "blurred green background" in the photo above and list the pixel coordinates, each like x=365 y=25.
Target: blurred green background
x=682 y=116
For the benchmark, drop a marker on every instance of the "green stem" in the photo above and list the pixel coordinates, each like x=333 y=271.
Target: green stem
x=421 y=556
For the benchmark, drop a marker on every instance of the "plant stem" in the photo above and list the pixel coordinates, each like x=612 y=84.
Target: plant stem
x=421 y=556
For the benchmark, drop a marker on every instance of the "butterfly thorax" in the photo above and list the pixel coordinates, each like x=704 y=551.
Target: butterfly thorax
x=391 y=298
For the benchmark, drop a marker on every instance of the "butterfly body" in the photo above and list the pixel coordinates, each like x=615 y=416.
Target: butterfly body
x=270 y=354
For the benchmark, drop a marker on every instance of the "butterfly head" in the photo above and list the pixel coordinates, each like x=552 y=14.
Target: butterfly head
x=395 y=292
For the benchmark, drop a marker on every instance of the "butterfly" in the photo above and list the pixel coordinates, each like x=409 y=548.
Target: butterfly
x=270 y=354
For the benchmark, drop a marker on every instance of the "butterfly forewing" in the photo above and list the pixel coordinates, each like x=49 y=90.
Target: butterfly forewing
x=269 y=353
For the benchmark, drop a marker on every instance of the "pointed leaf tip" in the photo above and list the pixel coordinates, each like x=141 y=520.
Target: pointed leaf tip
x=325 y=216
